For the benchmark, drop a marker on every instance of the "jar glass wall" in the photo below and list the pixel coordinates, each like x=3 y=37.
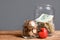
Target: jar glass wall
x=44 y=8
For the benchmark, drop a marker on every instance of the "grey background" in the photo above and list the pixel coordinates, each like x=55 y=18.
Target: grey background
x=14 y=12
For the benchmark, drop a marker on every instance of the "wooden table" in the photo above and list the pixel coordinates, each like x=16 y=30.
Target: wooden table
x=12 y=35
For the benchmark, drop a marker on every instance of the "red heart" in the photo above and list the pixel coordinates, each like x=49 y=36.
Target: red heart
x=43 y=33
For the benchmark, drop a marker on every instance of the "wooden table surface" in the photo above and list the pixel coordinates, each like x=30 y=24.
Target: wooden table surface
x=12 y=35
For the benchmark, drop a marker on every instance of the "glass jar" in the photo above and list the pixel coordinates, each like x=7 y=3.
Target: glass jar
x=48 y=12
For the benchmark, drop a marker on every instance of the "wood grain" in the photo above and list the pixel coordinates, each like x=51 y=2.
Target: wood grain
x=14 y=32
x=12 y=35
